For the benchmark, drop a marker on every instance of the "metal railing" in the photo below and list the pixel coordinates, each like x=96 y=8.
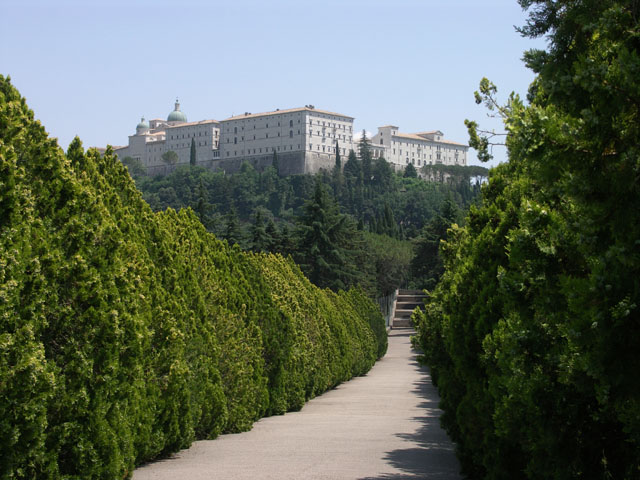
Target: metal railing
x=387 y=307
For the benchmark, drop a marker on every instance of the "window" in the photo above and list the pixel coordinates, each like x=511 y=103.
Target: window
x=310 y=146
x=290 y=133
x=235 y=130
x=381 y=142
x=267 y=135
x=235 y=140
x=290 y=123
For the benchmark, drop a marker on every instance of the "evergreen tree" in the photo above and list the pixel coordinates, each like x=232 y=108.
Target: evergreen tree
x=427 y=265
x=328 y=242
x=287 y=241
x=354 y=182
x=202 y=206
x=192 y=153
x=275 y=163
x=273 y=237
x=233 y=233
x=410 y=171
x=364 y=150
x=260 y=241
x=533 y=331
x=337 y=177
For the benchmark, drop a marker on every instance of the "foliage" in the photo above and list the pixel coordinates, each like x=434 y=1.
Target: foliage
x=328 y=242
x=533 y=332
x=127 y=334
x=192 y=153
x=427 y=265
x=170 y=157
x=410 y=171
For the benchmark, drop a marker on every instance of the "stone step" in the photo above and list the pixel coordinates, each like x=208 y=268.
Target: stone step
x=411 y=292
x=403 y=313
x=404 y=323
x=419 y=300
x=408 y=305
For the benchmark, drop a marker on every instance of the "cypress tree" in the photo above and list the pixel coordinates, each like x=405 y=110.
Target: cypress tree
x=364 y=147
x=192 y=153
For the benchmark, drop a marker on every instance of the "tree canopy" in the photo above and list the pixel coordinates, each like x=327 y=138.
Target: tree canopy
x=533 y=332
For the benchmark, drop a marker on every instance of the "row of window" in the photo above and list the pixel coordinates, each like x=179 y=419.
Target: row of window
x=331 y=125
x=187 y=135
x=257 y=151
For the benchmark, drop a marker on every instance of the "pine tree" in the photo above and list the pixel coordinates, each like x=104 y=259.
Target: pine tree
x=233 y=234
x=202 y=206
x=364 y=149
x=273 y=236
x=410 y=171
x=328 y=242
x=260 y=241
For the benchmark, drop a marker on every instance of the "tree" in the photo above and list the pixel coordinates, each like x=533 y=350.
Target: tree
x=135 y=166
x=427 y=265
x=275 y=163
x=354 y=182
x=260 y=240
x=192 y=153
x=170 y=157
x=328 y=242
x=410 y=171
x=202 y=206
x=533 y=331
x=233 y=234
x=364 y=149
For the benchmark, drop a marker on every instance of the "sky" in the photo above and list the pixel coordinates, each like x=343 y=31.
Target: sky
x=94 y=68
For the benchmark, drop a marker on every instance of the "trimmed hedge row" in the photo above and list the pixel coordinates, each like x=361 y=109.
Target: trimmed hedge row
x=125 y=335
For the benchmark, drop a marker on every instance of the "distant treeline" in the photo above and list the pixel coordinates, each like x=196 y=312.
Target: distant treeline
x=373 y=220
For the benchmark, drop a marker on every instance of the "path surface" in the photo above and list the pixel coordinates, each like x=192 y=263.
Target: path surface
x=384 y=425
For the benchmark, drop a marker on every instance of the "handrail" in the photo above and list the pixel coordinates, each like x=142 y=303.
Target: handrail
x=388 y=307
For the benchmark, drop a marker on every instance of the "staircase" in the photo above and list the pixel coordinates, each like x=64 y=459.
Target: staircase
x=406 y=301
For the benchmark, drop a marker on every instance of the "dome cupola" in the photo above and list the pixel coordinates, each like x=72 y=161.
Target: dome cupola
x=177 y=115
x=142 y=127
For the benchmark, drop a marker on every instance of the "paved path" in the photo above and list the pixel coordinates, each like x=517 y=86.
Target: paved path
x=384 y=425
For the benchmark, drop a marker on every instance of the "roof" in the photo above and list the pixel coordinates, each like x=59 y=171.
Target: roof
x=189 y=124
x=389 y=126
x=289 y=110
x=414 y=136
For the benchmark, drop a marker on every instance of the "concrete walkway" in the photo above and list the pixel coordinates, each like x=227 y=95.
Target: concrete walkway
x=384 y=425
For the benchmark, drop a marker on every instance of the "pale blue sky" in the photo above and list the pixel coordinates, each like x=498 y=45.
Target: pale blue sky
x=93 y=68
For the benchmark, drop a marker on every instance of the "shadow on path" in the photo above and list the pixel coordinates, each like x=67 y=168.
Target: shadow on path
x=431 y=455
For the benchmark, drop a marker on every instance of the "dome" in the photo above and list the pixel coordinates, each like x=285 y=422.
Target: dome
x=177 y=115
x=143 y=125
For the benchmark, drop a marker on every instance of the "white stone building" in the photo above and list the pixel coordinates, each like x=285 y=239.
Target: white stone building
x=419 y=149
x=304 y=139
x=157 y=137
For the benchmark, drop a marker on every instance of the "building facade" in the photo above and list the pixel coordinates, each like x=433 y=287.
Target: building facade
x=305 y=140
x=418 y=149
